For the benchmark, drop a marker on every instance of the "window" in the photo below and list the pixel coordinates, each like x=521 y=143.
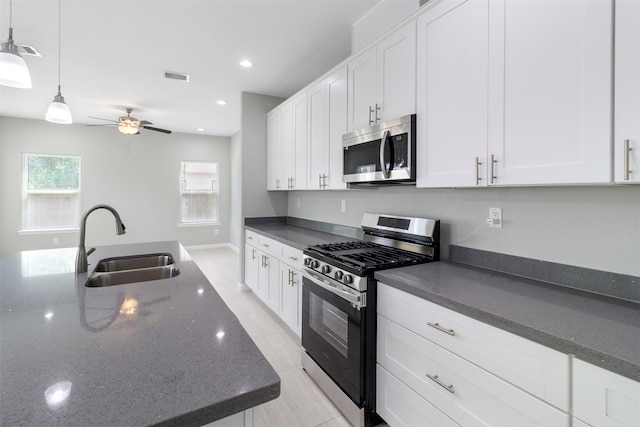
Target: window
x=50 y=191
x=198 y=192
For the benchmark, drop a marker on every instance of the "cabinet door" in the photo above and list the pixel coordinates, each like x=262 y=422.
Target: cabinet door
x=627 y=92
x=396 y=74
x=336 y=95
x=453 y=56
x=289 y=311
x=274 y=150
x=287 y=151
x=550 y=91
x=603 y=398
x=300 y=139
x=268 y=280
x=362 y=90
x=251 y=267
x=318 y=162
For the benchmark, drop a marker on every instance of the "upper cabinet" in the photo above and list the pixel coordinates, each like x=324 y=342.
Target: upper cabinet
x=499 y=106
x=382 y=80
x=627 y=92
x=287 y=145
x=327 y=123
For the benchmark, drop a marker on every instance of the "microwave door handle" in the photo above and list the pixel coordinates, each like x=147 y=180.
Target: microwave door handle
x=383 y=144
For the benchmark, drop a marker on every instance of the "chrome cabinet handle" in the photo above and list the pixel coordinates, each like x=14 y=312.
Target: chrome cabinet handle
x=435 y=378
x=370 y=113
x=277 y=184
x=627 y=151
x=478 y=163
x=293 y=258
x=441 y=329
x=265 y=245
x=493 y=172
x=253 y=254
x=377 y=109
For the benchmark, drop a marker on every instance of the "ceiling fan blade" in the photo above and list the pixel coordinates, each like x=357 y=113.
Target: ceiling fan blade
x=106 y=124
x=156 y=129
x=145 y=122
x=100 y=118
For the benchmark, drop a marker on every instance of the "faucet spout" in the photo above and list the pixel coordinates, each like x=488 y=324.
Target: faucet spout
x=81 y=258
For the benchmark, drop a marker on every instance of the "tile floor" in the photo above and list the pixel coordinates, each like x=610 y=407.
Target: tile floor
x=301 y=402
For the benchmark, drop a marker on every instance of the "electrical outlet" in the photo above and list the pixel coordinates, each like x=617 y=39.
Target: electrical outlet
x=344 y=206
x=56 y=241
x=215 y=231
x=298 y=202
x=495 y=218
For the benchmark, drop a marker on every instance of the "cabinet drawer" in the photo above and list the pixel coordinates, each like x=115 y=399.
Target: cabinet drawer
x=535 y=368
x=270 y=246
x=292 y=256
x=251 y=238
x=401 y=406
x=603 y=398
x=464 y=392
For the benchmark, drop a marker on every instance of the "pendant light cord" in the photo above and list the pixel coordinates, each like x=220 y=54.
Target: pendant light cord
x=59 y=39
x=10 y=13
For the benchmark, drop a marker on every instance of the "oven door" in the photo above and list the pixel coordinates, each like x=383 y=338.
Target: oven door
x=333 y=333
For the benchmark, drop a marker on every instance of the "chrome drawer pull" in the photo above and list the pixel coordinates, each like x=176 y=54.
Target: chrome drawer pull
x=293 y=258
x=441 y=329
x=435 y=378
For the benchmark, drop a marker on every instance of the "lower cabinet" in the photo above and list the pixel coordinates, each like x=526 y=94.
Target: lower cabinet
x=458 y=380
x=272 y=272
x=603 y=398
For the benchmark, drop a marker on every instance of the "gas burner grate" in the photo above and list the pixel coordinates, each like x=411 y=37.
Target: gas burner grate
x=384 y=258
x=345 y=246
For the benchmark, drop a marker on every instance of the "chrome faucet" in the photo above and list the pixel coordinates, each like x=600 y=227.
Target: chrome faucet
x=81 y=259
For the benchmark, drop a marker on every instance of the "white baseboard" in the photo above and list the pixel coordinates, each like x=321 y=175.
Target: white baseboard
x=212 y=246
x=244 y=288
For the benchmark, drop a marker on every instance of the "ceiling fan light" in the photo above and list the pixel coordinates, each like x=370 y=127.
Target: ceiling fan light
x=128 y=128
x=58 y=111
x=13 y=69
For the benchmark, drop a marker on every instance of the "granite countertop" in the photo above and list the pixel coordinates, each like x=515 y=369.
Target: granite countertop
x=295 y=236
x=600 y=330
x=167 y=352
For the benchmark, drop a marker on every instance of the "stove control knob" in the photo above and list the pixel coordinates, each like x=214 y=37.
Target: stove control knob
x=347 y=279
x=314 y=263
x=326 y=269
x=307 y=261
x=338 y=275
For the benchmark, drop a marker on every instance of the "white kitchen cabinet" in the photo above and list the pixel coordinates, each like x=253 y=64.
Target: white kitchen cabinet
x=452 y=64
x=398 y=405
x=288 y=308
x=268 y=278
x=294 y=143
x=474 y=373
x=497 y=106
x=550 y=92
x=274 y=149
x=251 y=267
x=327 y=124
x=382 y=80
x=604 y=399
x=627 y=92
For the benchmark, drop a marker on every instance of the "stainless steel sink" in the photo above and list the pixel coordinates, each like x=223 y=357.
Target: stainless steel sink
x=134 y=262
x=132 y=269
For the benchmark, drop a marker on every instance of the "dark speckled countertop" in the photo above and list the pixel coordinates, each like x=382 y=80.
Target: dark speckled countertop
x=601 y=330
x=295 y=236
x=167 y=352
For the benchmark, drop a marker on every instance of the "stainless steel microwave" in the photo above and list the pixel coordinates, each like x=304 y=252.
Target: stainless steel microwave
x=381 y=154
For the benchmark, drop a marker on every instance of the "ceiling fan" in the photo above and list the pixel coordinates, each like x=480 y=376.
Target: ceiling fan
x=130 y=125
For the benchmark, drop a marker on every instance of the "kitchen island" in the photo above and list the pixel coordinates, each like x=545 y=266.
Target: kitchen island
x=163 y=352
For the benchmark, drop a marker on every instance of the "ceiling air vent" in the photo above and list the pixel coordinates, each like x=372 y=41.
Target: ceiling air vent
x=172 y=75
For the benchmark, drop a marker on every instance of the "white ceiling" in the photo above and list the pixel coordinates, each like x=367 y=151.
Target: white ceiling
x=114 y=53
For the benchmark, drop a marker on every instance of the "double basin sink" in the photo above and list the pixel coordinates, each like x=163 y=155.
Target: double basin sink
x=132 y=269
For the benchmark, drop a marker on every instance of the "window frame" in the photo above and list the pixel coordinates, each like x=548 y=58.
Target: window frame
x=25 y=192
x=215 y=191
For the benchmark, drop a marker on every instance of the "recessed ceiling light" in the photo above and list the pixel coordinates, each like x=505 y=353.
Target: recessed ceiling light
x=200 y=129
x=221 y=102
x=246 y=63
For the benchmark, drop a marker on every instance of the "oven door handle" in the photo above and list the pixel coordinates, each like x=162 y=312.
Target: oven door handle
x=383 y=144
x=356 y=299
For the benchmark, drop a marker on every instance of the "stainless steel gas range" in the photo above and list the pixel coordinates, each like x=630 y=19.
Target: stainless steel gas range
x=339 y=306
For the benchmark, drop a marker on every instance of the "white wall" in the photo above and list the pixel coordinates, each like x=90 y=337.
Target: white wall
x=235 y=212
x=591 y=227
x=137 y=175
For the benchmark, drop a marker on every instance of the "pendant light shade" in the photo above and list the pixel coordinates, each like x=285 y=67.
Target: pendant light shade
x=58 y=111
x=13 y=69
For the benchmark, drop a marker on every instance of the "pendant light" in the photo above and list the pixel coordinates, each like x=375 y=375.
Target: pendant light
x=13 y=69
x=58 y=111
